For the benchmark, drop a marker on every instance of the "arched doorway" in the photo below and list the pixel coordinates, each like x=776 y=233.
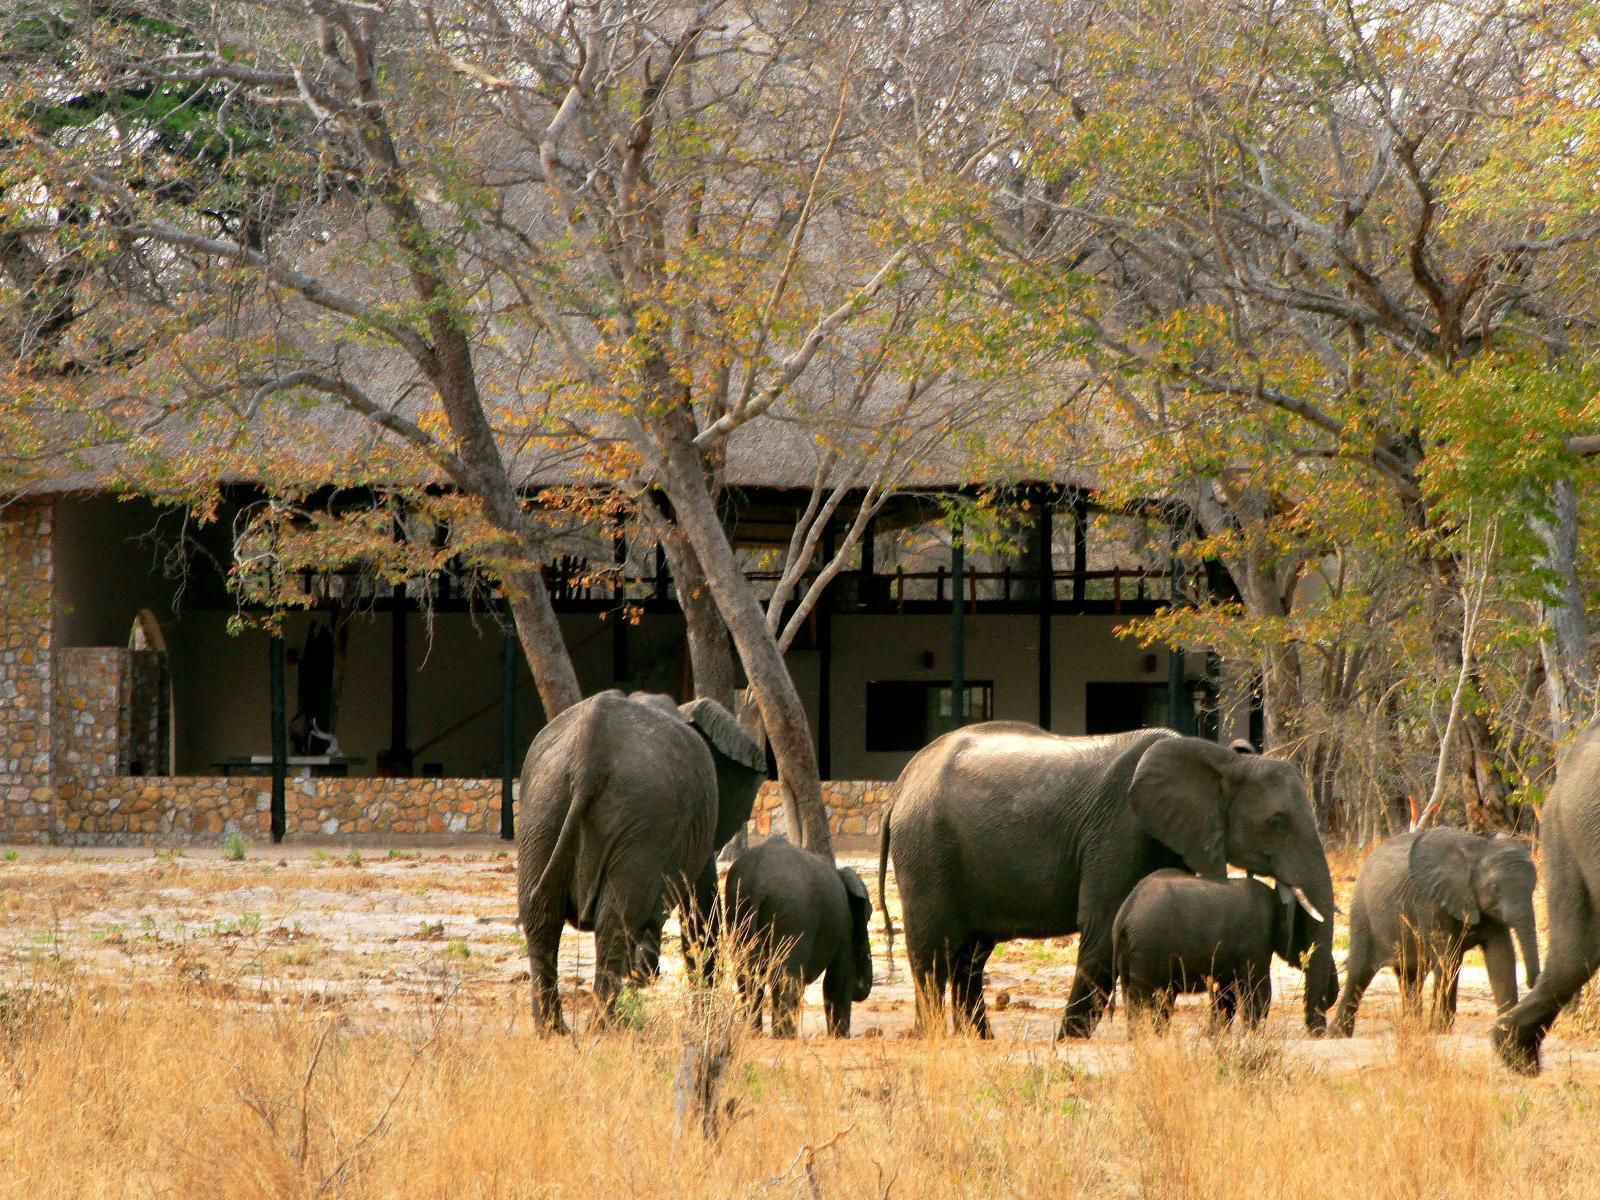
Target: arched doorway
x=148 y=699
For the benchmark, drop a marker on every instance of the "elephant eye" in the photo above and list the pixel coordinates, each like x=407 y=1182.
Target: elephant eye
x=1276 y=821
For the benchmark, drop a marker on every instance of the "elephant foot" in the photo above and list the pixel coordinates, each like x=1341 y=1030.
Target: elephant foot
x=1318 y=1027
x=1517 y=1050
x=1075 y=1029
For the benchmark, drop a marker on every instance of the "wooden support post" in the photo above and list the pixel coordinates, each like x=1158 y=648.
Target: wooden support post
x=958 y=626
x=399 y=755
x=509 y=651
x=280 y=740
x=1046 y=601
x=824 y=615
x=1080 y=547
x=619 y=611
x=1180 y=713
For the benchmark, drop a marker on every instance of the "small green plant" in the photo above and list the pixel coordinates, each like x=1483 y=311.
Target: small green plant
x=234 y=847
x=321 y=858
x=13 y=855
x=459 y=949
x=170 y=856
x=630 y=1011
x=355 y=857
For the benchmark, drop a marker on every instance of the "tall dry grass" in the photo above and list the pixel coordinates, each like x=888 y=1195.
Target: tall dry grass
x=120 y=1092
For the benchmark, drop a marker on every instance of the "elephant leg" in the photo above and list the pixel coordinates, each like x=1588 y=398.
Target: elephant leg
x=1091 y=982
x=837 y=986
x=701 y=916
x=1256 y=999
x=930 y=972
x=544 y=948
x=966 y=986
x=1359 y=969
x=613 y=961
x=787 y=989
x=647 y=953
x=752 y=996
x=1224 y=1004
x=1571 y=960
x=1500 y=959
x=1446 y=986
x=1410 y=973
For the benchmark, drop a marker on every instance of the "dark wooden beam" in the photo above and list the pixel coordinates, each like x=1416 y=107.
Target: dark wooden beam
x=280 y=739
x=824 y=611
x=398 y=758
x=510 y=649
x=1046 y=603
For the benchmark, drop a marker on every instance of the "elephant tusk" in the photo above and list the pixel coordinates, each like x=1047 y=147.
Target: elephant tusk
x=1311 y=909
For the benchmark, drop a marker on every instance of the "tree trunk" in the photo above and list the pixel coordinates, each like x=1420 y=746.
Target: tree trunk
x=784 y=716
x=1569 y=676
x=539 y=632
x=710 y=652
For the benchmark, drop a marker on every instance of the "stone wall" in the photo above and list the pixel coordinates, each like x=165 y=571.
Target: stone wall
x=89 y=725
x=855 y=807
x=134 y=811
x=109 y=702
x=124 y=810
x=27 y=643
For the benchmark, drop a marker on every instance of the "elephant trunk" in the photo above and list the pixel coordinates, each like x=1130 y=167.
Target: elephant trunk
x=1528 y=942
x=1322 y=977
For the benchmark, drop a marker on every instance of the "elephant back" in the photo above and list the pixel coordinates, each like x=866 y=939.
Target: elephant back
x=614 y=787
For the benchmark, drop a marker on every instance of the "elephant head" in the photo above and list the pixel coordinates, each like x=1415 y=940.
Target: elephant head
x=1214 y=806
x=1473 y=877
x=860 y=915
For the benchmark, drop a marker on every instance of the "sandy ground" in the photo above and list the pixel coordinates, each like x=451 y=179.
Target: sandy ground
x=376 y=930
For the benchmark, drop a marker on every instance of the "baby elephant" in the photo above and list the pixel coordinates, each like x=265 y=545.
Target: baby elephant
x=799 y=918
x=1421 y=900
x=1177 y=932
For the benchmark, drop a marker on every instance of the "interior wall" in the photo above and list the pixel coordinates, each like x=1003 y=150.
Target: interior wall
x=108 y=568
x=224 y=704
x=1002 y=648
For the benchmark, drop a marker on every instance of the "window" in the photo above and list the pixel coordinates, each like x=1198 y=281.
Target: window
x=1119 y=707
x=905 y=714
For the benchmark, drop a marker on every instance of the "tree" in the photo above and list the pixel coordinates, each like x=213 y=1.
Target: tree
x=1270 y=208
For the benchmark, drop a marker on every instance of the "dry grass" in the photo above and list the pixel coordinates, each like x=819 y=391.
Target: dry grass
x=195 y=1058
x=107 y=1092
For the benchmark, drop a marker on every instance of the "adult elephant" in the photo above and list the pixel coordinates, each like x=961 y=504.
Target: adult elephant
x=1002 y=831
x=625 y=801
x=1569 y=831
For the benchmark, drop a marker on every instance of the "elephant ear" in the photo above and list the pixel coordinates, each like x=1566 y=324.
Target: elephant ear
x=856 y=890
x=719 y=727
x=1442 y=861
x=740 y=764
x=1177 y=797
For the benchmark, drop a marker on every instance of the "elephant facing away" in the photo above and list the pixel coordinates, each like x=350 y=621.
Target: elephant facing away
x=800 y=917
x=1569 y=831
x=625 y=800
x=1177 y=932
x=1002 y=831
x=1421 y=901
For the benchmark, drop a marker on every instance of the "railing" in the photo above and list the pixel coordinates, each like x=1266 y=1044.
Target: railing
x=1114 y=585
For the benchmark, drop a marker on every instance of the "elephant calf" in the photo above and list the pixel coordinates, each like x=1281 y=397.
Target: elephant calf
x=799 y=918
x=1421 y=900
x=1178 y=932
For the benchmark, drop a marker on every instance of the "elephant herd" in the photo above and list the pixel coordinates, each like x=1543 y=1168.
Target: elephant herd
x=1002 y=831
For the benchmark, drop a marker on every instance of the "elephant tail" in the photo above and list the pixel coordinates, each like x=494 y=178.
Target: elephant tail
x=883 y=883
x=585 y=784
